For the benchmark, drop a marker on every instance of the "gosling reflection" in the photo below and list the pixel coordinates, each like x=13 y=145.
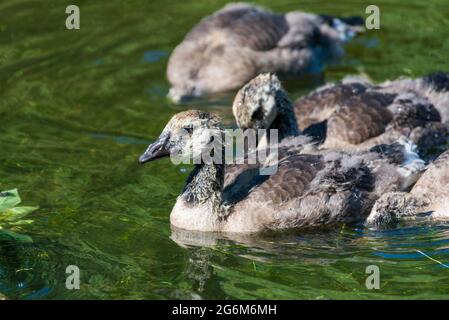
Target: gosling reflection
x=265 y=247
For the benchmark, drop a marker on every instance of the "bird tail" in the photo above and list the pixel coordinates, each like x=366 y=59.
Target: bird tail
x=346 y=27
x=403 y=153
x=438 y=80
x=413 y=166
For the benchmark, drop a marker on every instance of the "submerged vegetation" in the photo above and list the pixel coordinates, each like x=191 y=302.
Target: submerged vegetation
x=13 y=216
x=77 y=108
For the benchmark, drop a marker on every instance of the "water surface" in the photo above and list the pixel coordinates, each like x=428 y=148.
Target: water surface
x=78 y=107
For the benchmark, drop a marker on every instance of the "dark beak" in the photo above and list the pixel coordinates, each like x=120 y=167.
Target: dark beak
x=156 y=150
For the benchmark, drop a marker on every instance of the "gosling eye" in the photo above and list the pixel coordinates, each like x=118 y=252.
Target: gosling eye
x=258 y=114
x=188 y=129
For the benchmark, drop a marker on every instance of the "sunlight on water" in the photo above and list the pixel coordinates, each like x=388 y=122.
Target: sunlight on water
x=77 y=109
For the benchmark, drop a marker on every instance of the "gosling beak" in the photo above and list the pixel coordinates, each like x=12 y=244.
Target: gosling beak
x=156 y=150
x=179 y=95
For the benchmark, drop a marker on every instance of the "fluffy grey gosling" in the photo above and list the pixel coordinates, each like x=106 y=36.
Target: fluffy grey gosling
x=350 y=115
x=306 y=190
x=236 y=43
x=428 y=198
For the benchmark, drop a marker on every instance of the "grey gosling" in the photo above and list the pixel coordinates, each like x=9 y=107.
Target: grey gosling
x=351 y=115
x=306 y=190
x=236 y=43
x=429 y=198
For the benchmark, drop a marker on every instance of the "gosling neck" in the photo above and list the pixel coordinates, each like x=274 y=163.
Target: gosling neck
x=204 y=186
x=285 y=121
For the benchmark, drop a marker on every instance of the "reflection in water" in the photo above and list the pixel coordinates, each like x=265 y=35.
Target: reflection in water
x=78 y=107
x=337 y=257
x=17 y=273
x=199 y=269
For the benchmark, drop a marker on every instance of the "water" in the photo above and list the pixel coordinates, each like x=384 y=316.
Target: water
x=78 y=107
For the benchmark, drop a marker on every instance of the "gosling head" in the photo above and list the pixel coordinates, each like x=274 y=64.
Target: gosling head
x=259 y=102
x=187 y=134
x=391 y=207
x=183 y=93
x=184 y=72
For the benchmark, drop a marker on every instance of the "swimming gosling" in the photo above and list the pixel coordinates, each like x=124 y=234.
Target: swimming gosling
x=429 y=198
x=346 y=116
x=239 y=41
x=306 y=190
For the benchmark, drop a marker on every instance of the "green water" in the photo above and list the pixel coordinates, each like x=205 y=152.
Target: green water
x=78 y=107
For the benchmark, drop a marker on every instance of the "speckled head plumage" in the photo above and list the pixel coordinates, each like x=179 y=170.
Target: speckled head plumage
x=257 y=104
x=391 y=207
x=186 y=133
x=193 y=119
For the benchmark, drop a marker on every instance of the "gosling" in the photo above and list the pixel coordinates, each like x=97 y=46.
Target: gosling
x=306 y=190
x=236 y=43
x=429 y=198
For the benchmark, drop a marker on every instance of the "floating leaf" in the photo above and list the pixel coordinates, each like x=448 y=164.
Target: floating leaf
x=12 y=236
x=20 y=222
x=10 y=215
x=14 y=214
x=9 y=199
